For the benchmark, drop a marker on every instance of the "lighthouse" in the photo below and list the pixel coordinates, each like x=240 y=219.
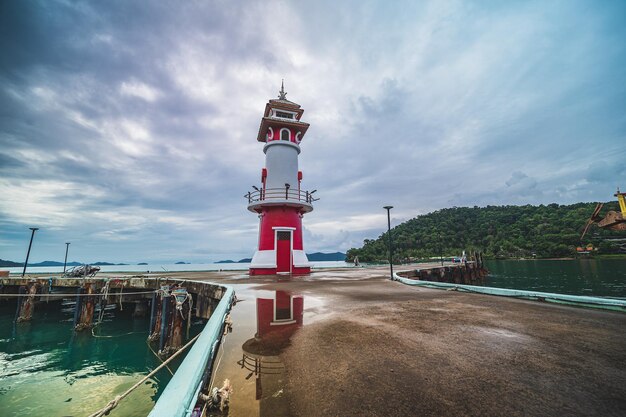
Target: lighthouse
x=280 y=201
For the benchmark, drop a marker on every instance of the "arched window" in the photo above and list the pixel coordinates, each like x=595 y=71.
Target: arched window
x=284 y=134
x=270 y=134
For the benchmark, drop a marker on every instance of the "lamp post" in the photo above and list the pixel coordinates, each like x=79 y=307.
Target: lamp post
x=29 y=246
x=440 y=248
x=67 y=247
x=388 y=208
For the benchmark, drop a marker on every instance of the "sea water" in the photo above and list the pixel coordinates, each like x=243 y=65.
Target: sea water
x=47 y=369
x=592 y=277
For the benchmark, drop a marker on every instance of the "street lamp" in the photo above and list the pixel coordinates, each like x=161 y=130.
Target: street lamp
x=29 y=246
x=67 y=247
x=388 y=208
x=440 y=248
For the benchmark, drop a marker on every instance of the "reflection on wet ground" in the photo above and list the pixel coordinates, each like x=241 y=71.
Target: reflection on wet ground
x=264 y=322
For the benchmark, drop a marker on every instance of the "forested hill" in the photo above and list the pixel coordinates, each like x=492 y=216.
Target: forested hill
x=498 y=231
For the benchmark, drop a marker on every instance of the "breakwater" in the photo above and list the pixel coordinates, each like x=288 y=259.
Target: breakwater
x=468 y=273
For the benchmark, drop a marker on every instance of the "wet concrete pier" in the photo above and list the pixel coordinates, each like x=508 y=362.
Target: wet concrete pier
x=371 y=347
x=343 y=342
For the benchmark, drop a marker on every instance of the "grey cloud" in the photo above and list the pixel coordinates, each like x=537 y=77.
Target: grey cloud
x=415 y=105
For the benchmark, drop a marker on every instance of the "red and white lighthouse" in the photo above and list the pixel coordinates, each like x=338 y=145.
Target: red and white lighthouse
x=280 y=201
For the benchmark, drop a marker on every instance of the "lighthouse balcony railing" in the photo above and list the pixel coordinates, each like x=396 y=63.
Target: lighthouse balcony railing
x=282 y=194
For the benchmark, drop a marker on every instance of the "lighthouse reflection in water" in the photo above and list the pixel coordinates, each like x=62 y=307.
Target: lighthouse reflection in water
x=277 y=319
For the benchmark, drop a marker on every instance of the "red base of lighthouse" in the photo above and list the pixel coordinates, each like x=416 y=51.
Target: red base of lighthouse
x=273 y=271
x=280 y=243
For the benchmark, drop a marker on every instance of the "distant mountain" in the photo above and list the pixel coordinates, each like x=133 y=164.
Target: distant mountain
x=142 y=263
x=104 y=264
x=227 y=261
x=54 y=263
x=181 y=263
x=10 y=264
x=319 y=256
x=544 y=231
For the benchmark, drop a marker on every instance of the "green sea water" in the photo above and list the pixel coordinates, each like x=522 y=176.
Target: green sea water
x=592 y=277
x=46 y=369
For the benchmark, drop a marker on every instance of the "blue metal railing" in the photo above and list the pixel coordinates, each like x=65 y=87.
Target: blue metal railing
x=181 y=394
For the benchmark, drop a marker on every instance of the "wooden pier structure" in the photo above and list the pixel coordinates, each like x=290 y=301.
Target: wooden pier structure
x=172 y=303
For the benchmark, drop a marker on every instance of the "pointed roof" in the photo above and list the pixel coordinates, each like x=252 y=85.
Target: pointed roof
x=282 y=96
x=281 y=103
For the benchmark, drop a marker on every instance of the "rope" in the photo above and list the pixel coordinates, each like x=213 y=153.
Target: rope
x=105 y=291
x=158 y=357
x=214 y=371
x=120 y=300
x=115 y=401
x=190 y=311
x=221 y=347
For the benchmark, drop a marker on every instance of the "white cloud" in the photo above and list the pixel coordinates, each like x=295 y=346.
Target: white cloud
x=139 y=89
x=146 y=135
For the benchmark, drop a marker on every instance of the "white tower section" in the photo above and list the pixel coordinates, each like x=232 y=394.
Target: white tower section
x=281 y=161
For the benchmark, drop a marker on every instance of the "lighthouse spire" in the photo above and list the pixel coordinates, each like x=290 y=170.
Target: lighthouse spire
x=281 y=94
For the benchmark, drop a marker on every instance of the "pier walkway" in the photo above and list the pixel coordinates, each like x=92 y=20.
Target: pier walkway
x=372 y=347
x=358 y=344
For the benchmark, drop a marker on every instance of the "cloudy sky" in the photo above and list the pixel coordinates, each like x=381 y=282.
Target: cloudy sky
x=129 y=128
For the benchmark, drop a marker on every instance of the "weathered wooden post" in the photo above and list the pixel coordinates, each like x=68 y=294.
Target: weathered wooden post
x=158 y=299
x=26 y=302
x=166 y=310
x=179 y=312
x=78 y=306
x=456 y=274
x=83 y=317
x=465 y=274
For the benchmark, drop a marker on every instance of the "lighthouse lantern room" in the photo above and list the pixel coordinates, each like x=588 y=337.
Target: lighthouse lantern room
x=280 y=201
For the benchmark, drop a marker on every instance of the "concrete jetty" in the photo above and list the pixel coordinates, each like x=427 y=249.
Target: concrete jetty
x=369 y=346
x=373 y=347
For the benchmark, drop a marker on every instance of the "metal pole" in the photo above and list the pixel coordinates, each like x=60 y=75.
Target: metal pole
x=67 y=247
x=29 y=246
x=388 y=208
x=440 y=249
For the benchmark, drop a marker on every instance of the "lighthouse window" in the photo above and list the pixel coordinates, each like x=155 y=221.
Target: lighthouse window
x=283 y=235
x=283 y=313
x=284 y=134
x=284 y=115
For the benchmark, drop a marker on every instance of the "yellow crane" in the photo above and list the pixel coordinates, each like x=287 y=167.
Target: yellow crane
x=613 y=220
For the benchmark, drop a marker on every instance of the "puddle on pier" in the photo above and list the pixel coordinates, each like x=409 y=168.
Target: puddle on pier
x=263 y=323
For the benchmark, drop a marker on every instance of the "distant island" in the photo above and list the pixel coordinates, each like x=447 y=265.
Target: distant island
x=314 y=257
x=500 y=232
x=317 y=257
x=11 y=264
